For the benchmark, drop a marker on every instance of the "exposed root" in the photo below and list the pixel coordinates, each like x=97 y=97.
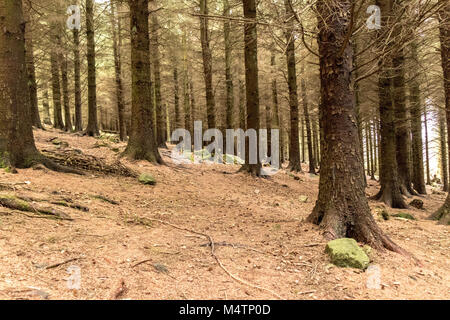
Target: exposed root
x=77 y=159
x=211 y=244
x=16 y=203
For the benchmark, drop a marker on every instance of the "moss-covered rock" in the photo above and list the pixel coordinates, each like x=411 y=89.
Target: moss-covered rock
x=146 y=178
x=303 y=198
x=404 y=215
x=345 y=252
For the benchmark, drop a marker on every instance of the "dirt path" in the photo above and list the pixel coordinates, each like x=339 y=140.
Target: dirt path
x=257 y=225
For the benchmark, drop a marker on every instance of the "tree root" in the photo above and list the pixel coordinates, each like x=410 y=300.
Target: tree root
x=213 y=254
x=78 y=160
x=16 y=203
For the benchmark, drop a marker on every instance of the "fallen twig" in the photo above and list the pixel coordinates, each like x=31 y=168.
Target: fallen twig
x=56 y=265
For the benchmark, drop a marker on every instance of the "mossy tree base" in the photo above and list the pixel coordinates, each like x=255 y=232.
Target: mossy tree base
x=442 y=214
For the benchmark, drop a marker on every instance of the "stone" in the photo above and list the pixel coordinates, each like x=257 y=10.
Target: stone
x=345 y=252
x=146 y=178
x=303 y=199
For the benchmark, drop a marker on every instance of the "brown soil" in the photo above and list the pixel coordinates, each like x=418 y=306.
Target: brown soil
x=257 y=224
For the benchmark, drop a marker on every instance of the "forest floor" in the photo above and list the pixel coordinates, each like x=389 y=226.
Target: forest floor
x=257 y=226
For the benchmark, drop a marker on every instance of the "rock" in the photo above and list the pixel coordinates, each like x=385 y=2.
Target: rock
x=345 y=252
x=417 y=203
x=145 y=178
x=303 y=199
x=404 y=215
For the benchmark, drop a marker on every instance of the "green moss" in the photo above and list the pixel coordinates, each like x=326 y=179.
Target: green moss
x=146 y=178
x=14 y=203
x=345 y=252
x=404 y=215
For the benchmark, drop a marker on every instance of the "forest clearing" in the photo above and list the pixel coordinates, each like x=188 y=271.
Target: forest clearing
x=224 y=150
x=257 y=225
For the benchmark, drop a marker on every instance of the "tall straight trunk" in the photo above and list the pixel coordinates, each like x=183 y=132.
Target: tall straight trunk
x=309 y=135
x=229 y=100
x=207 y=64
x=356 y=91
x=176 y=93
x=390 y=189
x=294 y=146
x=46 y=105
x=342 y=208
x=194 y=114
x=65 y=90
x=443 y=151
x=92 y=127
x=275 y=104
x=56 y=91
x=427 y=150
x=118 y=75
x=17 y=146
x=186 y=101
x=251 y=83
x=372 y=158
x=77 y=80
x=418 y=177
x=161 y=135
x=141 y=143
x=31 y=71
x=367 y=150
x=302 y=130
x=402 y=131
x=444 y=34
x=242 y=108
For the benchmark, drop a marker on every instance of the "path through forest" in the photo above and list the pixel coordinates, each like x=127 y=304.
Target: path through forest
x=256 y=224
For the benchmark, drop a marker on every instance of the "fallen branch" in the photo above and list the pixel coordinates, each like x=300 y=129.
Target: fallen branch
x=56 y=265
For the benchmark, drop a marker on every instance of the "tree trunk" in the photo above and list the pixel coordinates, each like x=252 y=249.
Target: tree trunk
x=309 y=136
x=443 y=151
x=427 y=150
x=444 y=34
x=242 y=108
x=141 y=144
x=207 y=64
x=29 y=56
x=92 y=127
x=17 y=147
x=56 y=91
x=77 y=80
x=118 y=76
x=390 y=189
x=65 y=90
x=45 y=104
x=176 y=93
x=342 y=208
x=275 y=104
x=402 y=134
x=161 y=129
x=251 y=83
x=418 y=179
x=229 y=100
x=294 y=146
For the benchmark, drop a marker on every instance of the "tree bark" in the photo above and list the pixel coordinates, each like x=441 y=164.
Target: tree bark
x=251 y=82
x=418 y=178
x=65 y=90
x=207 y=64
x=443 y=214
x=92 y=127
x=161 y=129
x=77 y=80
x=342 y=208
x=309 y=136
x=56 y=90
x=294 y=146
x=118 y=76
x=141 y=143
x=390 y=189
x=229 y=100
x=31 y=71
